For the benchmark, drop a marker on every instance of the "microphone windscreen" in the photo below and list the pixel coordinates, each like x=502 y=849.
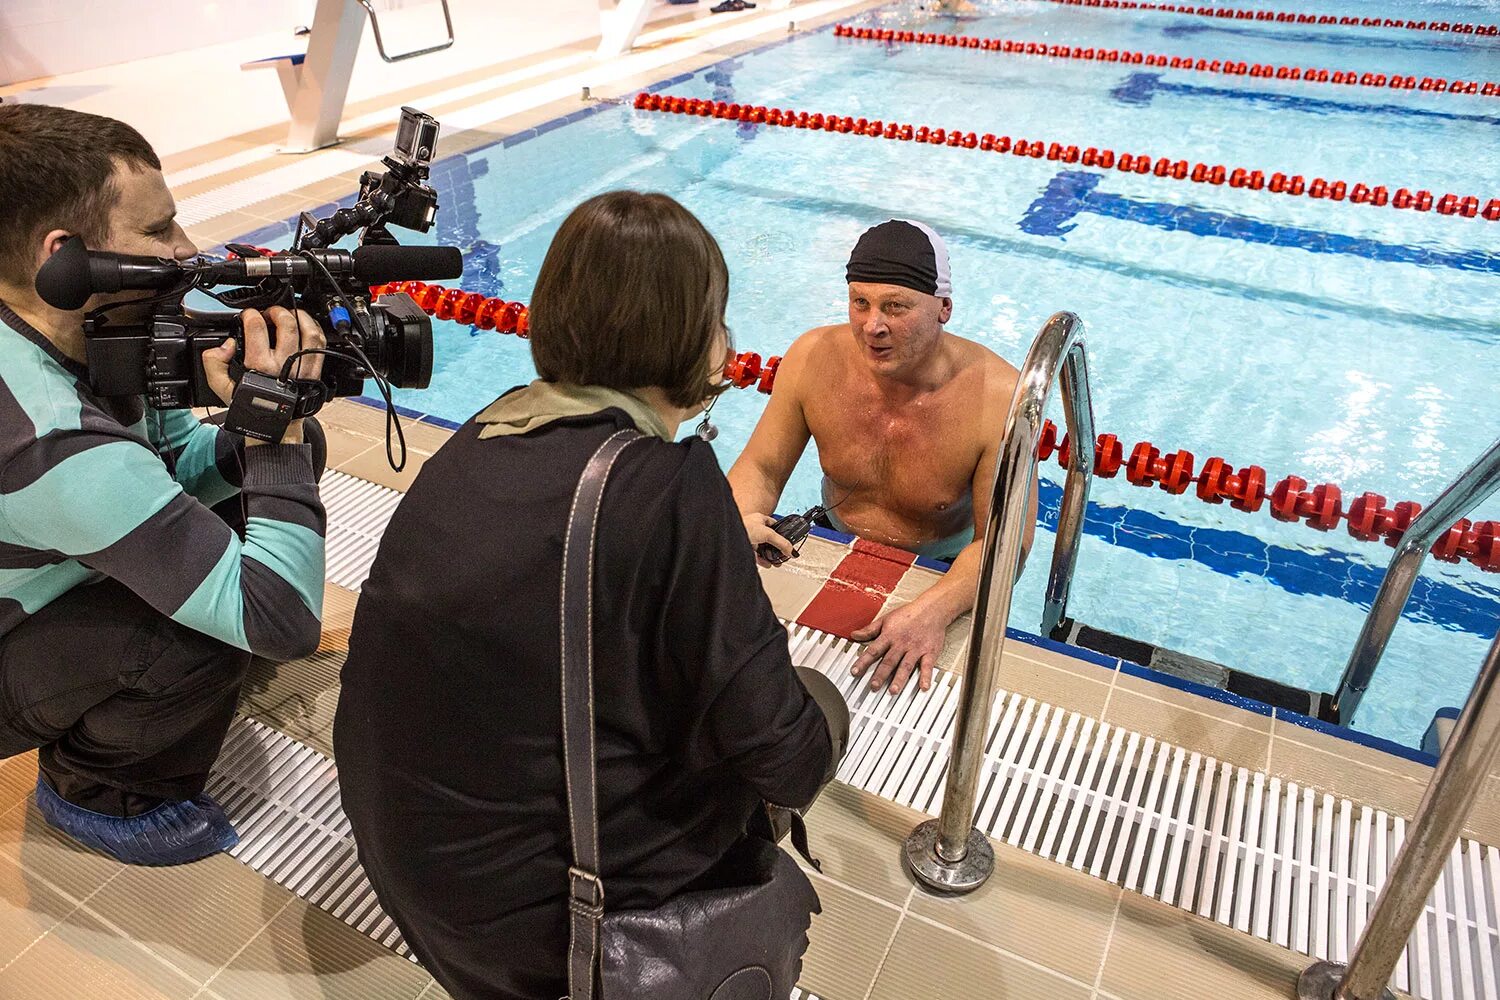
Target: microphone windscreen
x=377 y=264
x=63 y=282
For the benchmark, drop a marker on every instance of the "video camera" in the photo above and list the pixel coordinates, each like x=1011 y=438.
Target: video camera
x=388 y=339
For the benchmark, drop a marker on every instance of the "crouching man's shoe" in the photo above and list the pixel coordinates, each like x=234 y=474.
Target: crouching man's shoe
x=173 y=833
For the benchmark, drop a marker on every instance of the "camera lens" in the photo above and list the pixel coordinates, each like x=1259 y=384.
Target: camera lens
x=403 y=348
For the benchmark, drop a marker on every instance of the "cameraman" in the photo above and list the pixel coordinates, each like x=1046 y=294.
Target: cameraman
x=128 y=609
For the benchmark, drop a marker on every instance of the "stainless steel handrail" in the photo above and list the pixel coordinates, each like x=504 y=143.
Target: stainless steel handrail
x=1461 y=772
x=1476 y=484
x=380 y=44
x=1083 y=443
x=948 y=853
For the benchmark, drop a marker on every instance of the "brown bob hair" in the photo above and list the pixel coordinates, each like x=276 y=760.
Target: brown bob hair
x=631 y=295
x=57 y=172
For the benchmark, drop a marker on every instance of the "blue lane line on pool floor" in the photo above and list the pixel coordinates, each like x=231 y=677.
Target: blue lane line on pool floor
x=1360 y=39
x=1074 y=192
x=1141 y=88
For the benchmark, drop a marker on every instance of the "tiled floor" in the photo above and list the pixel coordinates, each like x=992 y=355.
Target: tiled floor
x=1035 y=930
x=75 y=925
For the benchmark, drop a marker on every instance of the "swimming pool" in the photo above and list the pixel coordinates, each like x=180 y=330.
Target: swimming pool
x=1338 y=342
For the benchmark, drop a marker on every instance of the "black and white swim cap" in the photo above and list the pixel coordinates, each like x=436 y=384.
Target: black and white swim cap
x=905 y=253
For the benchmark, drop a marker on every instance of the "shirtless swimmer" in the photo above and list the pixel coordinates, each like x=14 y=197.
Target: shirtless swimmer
x=907 y=419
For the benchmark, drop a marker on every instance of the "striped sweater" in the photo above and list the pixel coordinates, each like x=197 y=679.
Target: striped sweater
x=93 y=488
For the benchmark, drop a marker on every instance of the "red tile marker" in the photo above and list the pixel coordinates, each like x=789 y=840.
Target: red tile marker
x=857 y=589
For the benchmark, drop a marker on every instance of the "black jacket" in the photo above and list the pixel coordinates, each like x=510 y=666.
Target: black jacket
x=448 y=734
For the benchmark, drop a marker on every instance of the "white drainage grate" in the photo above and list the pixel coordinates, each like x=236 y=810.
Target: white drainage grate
x=358 y=512
x=1284 y=863
x=283 y=797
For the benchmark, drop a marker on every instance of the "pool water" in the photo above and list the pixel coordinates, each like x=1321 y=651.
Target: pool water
x=1342 y=343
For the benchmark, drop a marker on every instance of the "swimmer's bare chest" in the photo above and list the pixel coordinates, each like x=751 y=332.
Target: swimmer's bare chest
x=909 y=468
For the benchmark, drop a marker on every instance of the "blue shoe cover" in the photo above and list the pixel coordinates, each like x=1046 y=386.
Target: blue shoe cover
x=173 y=833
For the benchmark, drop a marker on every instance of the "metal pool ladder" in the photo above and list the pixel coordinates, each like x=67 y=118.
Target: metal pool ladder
x=1473 y=486
x=949 y=853
x=1461 y=772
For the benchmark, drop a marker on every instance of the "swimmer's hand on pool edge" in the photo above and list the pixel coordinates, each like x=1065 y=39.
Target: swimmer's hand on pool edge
x=758 y=527
x=905 y=641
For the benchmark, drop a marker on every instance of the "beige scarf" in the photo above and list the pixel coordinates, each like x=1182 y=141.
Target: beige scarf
x=540 y=403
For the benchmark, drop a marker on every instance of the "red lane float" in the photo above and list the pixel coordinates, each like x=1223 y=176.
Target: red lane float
x=1320 y=507
x=1378 y=196
x=1289 y=17
x=468 y=308
x=487 y=313
x=1227 y=67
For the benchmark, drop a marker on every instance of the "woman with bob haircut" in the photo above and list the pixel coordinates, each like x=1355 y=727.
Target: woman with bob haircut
x=449 y=733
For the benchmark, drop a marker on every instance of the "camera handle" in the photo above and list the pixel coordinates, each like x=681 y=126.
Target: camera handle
x=380 y=197
x=369 y=211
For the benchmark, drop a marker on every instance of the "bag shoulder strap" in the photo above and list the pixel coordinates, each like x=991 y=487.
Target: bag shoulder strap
x=585 y=889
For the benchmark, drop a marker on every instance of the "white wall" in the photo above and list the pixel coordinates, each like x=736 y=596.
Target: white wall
x=41 y=38
x=197 y=93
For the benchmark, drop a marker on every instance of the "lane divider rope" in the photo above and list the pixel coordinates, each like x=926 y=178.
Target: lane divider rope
x=469 y=308
x=1290 y=17
x=1320 y=507
x=1227 y=67
x=1295 y=185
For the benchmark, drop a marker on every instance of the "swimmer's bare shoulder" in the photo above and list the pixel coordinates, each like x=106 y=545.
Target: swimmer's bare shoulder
x=998 y=379
x=1000 y=376
x=811 y=360
x=781 y=435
